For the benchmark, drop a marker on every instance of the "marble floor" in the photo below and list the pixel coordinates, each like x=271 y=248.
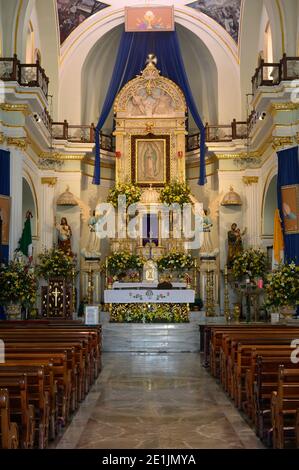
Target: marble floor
x=157 y=401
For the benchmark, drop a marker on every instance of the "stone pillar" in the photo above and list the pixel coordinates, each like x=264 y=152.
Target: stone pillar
x=253 y=217
x=16 y=222
x=47 y=216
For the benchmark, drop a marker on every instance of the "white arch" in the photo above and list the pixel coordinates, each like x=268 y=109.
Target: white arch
x=80 y=42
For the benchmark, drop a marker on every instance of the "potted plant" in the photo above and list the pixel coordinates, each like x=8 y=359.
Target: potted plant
x=282 y=289
x=18 y=288
x=54 y=263
x=250 y=264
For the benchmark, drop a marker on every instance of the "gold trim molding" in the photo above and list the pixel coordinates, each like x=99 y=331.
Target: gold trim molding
x=2 y=138
x=49 y=180
x=19 y=142
x=286 y=106
x=280 y=142
x=60 y=156
x=14 y=107
x=250 y=180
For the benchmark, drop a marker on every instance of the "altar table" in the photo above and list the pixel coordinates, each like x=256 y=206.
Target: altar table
x=141 y=296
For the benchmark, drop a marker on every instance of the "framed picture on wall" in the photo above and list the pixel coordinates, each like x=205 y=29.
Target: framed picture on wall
x=5 y=217
x=150 y=160
x=149 y=18
x=290 y=208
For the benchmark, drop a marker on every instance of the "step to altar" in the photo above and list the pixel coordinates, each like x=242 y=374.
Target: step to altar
x=150 y=338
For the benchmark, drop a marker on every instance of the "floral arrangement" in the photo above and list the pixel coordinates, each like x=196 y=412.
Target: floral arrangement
x=145 y=313
x=175 y=192
x=123 y=261
x=282 y=286
x=55 y=263
x=131 y=191
x=18 y=284
x=176 y=262
x=252 y=263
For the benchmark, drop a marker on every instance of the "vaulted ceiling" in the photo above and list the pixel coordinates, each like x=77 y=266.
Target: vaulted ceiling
x=226 y=13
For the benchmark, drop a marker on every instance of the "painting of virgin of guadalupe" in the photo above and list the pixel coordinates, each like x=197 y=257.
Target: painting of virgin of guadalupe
x=150 y=161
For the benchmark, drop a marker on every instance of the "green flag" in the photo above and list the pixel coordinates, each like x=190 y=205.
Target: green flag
x=26 y=239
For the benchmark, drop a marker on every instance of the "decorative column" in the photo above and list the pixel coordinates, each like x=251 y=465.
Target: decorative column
x=47 y=223
x=16 y=184
x=252 y=210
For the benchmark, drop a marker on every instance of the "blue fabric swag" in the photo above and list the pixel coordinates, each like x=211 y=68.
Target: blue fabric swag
x=131 y=58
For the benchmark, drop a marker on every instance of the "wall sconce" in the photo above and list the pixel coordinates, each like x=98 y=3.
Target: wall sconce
x=180 y=154
x=117 y=154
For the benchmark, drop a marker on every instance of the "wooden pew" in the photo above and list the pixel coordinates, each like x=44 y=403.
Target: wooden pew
x=9 y=433
x=38 y=397
x=21 y=411
x=265 y=384
x=284 y=406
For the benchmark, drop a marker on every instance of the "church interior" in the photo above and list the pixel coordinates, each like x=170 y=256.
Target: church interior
x=149 y=224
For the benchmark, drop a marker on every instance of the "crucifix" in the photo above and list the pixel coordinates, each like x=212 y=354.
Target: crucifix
x=56 y=293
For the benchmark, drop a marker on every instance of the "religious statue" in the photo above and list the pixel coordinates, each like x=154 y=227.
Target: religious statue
x=64 y=236
x=93 y=242
x=235 y=243
x=207 y=246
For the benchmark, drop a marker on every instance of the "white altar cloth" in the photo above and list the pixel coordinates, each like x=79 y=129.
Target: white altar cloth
x=145 y=285
x=141 y=296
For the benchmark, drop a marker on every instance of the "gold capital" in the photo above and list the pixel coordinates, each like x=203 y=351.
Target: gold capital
x=19 y=142
x=281 y=142
x=49 y=180
x=249 y=180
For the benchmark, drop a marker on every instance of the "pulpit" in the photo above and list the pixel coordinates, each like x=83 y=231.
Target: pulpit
x=57 y=299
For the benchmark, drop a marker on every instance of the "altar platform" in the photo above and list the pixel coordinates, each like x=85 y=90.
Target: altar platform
x=155 y=337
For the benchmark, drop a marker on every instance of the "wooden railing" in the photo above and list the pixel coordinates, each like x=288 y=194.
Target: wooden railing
x=271 y=74
x=81 y=134
x=29 y=75
x=218 y=133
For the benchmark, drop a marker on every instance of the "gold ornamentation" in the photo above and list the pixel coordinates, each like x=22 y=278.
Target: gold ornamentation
x=149 y=127
x=67 y=199
x=14 y=107
x=249 y=180
x=232 y=198
x=287 y=106
x=150 y=78
x=280 y=142
x=2 y=138
x=20 y=142
x=50 y=181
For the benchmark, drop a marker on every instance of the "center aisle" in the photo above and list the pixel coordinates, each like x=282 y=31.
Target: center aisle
x=157 y=401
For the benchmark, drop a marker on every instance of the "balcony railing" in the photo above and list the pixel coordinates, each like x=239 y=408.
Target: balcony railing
x=81 y=134
x=271 y=74
x=29 y=75
x=218 y=133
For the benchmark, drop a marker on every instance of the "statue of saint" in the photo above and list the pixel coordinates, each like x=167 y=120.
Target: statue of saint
x=92 y=249
x=207 y=246
x=235 y=243
x=150 y=163
x=64 y=236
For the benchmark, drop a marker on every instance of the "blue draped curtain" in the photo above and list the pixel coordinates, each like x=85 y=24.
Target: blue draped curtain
x=132 y=54
x=288 y=174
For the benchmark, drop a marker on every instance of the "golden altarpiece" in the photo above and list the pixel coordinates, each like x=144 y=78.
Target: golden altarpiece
x=150 y=130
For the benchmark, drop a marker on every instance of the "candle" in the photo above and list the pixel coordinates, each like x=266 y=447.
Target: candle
x=260 y=283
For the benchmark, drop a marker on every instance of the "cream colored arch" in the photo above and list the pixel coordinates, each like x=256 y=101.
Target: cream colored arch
x=81 y=41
